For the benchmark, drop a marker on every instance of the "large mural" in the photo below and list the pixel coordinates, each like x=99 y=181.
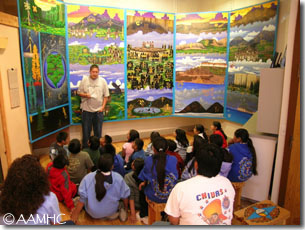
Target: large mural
x=252 y=38
x=96 y=36
x=201 y=63
x=150 y=63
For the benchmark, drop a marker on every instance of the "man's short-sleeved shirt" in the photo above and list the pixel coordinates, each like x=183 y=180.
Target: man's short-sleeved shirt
x=97 y=88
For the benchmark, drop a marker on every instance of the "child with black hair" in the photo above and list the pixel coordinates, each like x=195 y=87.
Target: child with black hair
x=127 y=149
x=118 y=160
x=226 y=156
x=59 y=179
x=182 y=142
x=159 y=176
x=101 y=191
x=244 y=157
x=80 y=162
x=149 y=150
x=93 y=150
x=133 y=182
x=172 y=146
x=60 y=144
x=216 y=128
x=104 y=141
x=199 y=130
x=137 y=146
x=189 y=170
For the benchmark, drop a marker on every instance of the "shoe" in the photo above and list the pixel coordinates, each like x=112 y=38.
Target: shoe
x=138 y=216
x=113 y=216
x=75 y=200
x=123 y=216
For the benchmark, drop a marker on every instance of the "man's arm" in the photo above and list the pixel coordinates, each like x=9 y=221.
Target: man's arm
x=173 y=220
x=86 y=95
x=104 y=104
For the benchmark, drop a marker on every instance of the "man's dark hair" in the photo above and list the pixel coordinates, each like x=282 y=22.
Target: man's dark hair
x=209 y=160
x=139 y=143
x=74 y=146
x=62 y=136
x=94 y=66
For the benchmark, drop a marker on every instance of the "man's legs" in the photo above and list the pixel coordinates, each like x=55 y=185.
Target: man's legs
x=97 y=122
x=87 y=126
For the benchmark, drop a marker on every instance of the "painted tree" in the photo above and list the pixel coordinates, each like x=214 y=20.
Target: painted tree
x=36 y=64
x=27 y=7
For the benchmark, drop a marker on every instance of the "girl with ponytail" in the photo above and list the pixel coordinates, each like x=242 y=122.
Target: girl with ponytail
x=244 y=157
x=101 y=191
x=216 y=128
x=159 y=174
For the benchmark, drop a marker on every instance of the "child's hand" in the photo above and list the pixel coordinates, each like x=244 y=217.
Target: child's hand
x=74 y=215
x=141 y=185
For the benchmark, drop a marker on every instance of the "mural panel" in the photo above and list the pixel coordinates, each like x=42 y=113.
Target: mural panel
x=201 y=56
x=96 y=36
x=32 y=74
x=252 y=37
x=44 y=16
x=53 y=50
x=149 y=63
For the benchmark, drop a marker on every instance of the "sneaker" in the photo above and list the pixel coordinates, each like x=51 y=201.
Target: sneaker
x=113 y=216
x=123 y=216
x=75 y=200
x=138 y=216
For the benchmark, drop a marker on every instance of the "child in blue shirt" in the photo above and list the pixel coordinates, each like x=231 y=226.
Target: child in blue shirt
x=101 y=191
x=244 y=157
x=159 y=175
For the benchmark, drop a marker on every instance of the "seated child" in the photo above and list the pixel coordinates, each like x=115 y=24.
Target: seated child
x=189 y=170
x=244 y=157
x=118 y=165
x=127 y=149
x=60 y=181
x=80 y=162
x=104 y=141
x=182 y=142
x=199 y=130
x=61 y=141
x=226 y=156
x=93 y=150
x=216 y=128
x=149 y=150
x=133 y=182
x=101 y=191
x=137 y=146
x=172 y=146
x=159 y=176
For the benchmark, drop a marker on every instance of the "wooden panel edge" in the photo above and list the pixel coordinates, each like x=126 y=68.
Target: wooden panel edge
x=9 y=20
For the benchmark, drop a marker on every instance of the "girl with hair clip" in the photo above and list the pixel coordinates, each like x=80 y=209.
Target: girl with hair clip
x=127 y=149
x=244 y=157
x=182 y=142
x=101 y=191
x=216 y=128
x=159 y=176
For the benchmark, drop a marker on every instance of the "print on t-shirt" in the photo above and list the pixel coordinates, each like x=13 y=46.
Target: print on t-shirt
x=170 y=181
x=215 y=207
x=245 y=171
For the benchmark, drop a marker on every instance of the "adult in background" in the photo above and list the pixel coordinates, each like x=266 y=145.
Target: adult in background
x=94 y=93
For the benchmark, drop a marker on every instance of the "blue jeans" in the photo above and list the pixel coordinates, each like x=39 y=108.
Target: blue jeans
x=90 y=120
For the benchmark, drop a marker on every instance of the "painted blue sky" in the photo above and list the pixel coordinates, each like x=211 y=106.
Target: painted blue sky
x=111 y=73
x=249 y=31
x=206 y=95
x=182 y=39
x=25 y=39
x=149 y=95
x=136 y=40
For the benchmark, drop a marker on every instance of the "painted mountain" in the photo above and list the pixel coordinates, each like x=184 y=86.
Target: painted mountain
x=196 y=107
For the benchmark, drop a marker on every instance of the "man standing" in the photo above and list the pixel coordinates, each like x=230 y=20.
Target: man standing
x=206 y=199
x=94 y=93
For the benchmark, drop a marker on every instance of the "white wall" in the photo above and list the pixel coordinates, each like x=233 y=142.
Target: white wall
x=16 y=119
